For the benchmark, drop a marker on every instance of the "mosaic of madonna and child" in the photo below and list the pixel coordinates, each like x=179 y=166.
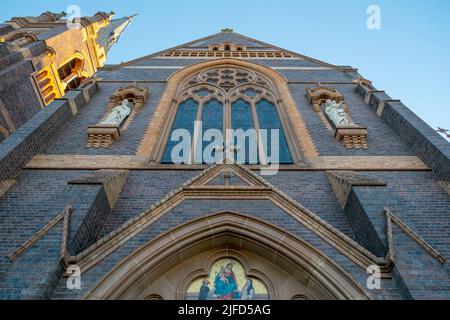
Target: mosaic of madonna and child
x=227 y=281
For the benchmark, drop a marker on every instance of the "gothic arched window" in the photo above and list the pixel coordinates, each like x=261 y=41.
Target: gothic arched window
x=230 y=114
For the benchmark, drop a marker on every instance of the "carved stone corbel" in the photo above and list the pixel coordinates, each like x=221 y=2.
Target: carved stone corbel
x=321 y=94
x=352 y=137
x=132 y=93
x=102 y=136
x=364 y=83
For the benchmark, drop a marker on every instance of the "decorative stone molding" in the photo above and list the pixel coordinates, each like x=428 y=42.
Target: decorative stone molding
x=392 y=218
x=322 y=275
x=352 y=137
x=158 y=130
x=321 y=94
x=102 y=136
x=227 y=46
x=199 y=188
x=5 y=185
x=445 y=185
x=226 y=54
x=364 y=83
x=132 y=162
x=19 y=38
x=133 y=93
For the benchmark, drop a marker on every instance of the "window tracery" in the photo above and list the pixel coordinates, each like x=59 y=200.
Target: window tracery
x=229 y=98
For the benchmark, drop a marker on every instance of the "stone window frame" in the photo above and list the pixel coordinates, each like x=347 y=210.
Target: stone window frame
x=227 y=95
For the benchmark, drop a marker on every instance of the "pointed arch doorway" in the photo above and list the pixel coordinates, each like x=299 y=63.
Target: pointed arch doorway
x=279 y=265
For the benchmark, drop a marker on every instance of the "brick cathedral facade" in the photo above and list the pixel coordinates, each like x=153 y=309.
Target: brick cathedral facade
x=357 y=210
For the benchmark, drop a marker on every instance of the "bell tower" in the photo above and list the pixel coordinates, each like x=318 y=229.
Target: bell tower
x=44 y=57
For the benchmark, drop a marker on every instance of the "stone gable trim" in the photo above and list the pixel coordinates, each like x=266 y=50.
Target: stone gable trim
x=5 y=185
x=343 y=181
x=444 y=184
x=244 y=58
x=112 y=180
x=189 y=190
x=263 y=44
x=64 y=215
x=392 y=218
x=319 y=266
x=181 y=67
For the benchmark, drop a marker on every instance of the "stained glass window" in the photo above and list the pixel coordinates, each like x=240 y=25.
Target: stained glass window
x=184 y=119
x=212 y=118
x=268 y=119
x=230 y=98
x=242 y=119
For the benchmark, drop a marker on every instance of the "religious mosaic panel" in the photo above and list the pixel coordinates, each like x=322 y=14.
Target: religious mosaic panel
x=227 y=281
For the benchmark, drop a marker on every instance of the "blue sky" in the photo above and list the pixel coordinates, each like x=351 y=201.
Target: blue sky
x=409 y=57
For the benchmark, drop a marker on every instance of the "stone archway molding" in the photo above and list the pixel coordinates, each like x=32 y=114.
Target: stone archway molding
x=322 y=271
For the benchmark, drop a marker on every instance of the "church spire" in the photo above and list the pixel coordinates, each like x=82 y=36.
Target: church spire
x=111 y=33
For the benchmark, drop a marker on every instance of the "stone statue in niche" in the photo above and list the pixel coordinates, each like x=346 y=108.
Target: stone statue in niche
x=337 y=114
x=117 y=115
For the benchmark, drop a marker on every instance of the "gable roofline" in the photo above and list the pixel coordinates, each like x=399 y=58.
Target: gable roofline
x=197 y=187
x=295 y=54
x=158 y=53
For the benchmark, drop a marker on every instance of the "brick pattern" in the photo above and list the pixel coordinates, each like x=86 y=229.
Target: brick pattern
x=364 y=211
x=73 y=140
x=137 y=197
x=423 y=276
x=89 y=217
x=433 y=149
x=32 y=138
x=17 y=92
x=39 y=132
